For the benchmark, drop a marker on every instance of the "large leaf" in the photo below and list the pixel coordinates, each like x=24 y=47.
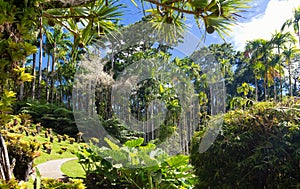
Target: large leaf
x=177 y=161
x=134 y=143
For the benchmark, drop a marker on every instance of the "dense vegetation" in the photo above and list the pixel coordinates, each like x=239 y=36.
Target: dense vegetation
x=258 y=146
x=42 y=45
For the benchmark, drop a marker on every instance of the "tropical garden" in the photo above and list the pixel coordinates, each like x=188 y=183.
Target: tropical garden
x=244 y=133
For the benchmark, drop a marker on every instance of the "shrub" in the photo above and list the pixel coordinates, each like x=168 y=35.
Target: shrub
x=13 y=184
x=258 y=148
x=72 y=140
x=23 y=152
x=59 y=118
x=134 y=166
x=54 y=183
x=20 y=150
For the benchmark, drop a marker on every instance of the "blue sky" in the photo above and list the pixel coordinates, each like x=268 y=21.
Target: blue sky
x=261 y=21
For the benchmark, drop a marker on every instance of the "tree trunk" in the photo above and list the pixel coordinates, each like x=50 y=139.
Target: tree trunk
x=47 y=79
x=256 y=89
x=40 y=60
x=53 y=71
x=280 y=78
x=265 y=87
x=295 y=86
x=275 y=89
x=34 y=77
x=290 y=79
x=281 y=88
x=6 y=173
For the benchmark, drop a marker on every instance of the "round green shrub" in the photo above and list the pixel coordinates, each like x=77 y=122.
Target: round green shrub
x=256 y=148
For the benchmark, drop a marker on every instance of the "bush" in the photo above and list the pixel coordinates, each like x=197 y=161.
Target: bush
x=257 y=148
x=54 y=183
x=134 y=166
x=46 y=183
x=20 y=150
x=60 y=119
x=13 y=184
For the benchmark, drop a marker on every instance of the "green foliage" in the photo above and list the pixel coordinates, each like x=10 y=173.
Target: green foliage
x=45 y=183
x=120 y=131
x=258 y=147
x=13 y=184
x=16 y=23
x=50 y=183
x=20 y=150
x=6 y=101
x=245 y=88
x=53 y=116
x=135 y=166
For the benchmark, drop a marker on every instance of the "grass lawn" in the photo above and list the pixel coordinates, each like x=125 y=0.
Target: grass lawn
x=57 y=152
x=60 y=150
x=73 y=169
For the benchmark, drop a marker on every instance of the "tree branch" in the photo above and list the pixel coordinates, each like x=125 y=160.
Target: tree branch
x=172 y=1
x=67 y=27
x=197 y=13
x=51 y=4
x=66 y=16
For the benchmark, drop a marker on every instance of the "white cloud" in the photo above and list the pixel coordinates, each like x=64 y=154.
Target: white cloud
x=277 y=12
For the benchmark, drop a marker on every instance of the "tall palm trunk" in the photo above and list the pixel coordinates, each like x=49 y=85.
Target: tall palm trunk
x=280 y=77
x=275 y=89
x=40 y=59
x=265 y=85
x=47 y=79
x=34 y=76
x=295 y=86
x=53 y=71
x=290 y=79
x=256 y=89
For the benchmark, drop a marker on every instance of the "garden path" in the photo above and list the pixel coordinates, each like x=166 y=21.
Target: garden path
x=51 y=169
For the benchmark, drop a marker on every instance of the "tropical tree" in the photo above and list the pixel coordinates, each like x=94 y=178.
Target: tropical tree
x=280 y=41
x=289 y=54
x=294 y=22
x=16 y=32
x=85 y=23
x=276 y=69
x=59 y=45
x=40 y=57
x=252 y=52
x=215 y=15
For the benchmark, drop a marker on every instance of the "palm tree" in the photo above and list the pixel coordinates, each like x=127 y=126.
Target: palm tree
x=275 y=71
x=280 y=40
x=87 y=23
x=294 y=22
x=34 y=76
x=263 y=63
x=47 y=49
x=265 y=57
x=40 y=57
x=289 y=54
x=252 y=52
x=59 y=45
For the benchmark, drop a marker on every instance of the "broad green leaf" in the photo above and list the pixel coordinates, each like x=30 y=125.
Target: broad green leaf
x=177 y=161
x=134 y=143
